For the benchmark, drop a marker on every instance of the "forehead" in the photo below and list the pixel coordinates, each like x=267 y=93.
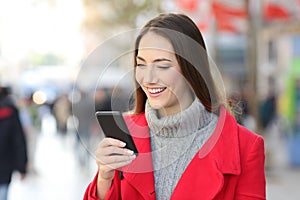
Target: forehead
x=154 y=42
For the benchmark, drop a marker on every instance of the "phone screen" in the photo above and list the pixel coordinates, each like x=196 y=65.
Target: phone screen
x=114 y=126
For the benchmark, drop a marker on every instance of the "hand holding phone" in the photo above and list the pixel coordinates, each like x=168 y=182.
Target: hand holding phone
x=114 y=126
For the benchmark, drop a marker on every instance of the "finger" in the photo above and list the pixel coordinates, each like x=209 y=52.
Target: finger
x=112 y=150
x=117 y=165
x=111 y=142
x=107 y=160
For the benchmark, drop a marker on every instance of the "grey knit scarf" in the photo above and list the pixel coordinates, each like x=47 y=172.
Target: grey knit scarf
x=175 y=140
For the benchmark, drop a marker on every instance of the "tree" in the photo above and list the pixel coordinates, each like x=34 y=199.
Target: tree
x=103 y=17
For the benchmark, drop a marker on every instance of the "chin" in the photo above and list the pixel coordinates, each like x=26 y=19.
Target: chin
x=156 y=105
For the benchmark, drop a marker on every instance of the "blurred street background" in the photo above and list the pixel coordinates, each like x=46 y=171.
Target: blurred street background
x=60 y=60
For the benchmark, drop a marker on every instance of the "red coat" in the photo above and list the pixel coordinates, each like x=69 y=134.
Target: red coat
x=229 y=166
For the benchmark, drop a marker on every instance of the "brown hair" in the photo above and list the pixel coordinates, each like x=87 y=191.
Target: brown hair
x=191 y=55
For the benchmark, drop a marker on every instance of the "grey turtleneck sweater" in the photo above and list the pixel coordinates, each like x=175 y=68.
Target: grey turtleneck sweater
x=174 y=142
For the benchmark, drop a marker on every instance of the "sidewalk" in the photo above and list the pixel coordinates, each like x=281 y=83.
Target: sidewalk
x=58 y=175
x=283 y=181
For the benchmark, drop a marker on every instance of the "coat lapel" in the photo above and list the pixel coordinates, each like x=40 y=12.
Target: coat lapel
x=139 y=173
x=219 y=156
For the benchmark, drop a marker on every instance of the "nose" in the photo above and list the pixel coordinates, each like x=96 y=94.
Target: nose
x=150 y=75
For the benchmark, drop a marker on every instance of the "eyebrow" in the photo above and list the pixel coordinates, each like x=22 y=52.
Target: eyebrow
x=154 y=61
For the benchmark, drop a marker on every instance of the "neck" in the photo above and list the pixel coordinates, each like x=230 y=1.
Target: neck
x=178 y=107
x=181 y=124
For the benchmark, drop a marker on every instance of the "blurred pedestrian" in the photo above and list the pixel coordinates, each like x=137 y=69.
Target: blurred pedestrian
x=62 y=112
x=82 y=110
x=268 y=107
x=102 y=99
x=190 y=146
x=13 y=153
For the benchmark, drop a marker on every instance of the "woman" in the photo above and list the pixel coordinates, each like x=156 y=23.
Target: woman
x=190 y=146
x=13 y=151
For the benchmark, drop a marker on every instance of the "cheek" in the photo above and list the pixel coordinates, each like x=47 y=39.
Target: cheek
x=184 y=85
x=175 y=80
x=179 y=85
x=138 y=76
x=139 y=79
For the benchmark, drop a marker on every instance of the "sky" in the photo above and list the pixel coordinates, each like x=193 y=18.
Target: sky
x=40 y=26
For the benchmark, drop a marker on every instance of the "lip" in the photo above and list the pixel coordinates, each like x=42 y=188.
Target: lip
x=155 y=91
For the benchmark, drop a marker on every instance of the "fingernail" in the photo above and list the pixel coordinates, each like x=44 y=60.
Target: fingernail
x=130 y=152
x=123 y=144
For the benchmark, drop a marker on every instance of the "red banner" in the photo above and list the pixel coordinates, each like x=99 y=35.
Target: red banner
x=273 y=11
x=221 y=9
x=232 y=17
x=189 y=5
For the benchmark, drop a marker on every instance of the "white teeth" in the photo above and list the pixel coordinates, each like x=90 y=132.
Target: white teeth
x=155 y=90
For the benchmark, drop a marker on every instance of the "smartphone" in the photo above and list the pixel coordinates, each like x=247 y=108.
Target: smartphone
x=114 y=126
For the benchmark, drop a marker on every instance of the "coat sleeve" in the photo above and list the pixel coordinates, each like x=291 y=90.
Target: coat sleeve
x=113 y=193
x=252 y=182
x=19 y=143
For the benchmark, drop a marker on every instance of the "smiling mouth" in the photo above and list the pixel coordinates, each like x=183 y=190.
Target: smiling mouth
x=155 y=90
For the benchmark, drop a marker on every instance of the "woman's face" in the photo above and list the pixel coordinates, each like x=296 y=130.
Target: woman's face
x=160 y=77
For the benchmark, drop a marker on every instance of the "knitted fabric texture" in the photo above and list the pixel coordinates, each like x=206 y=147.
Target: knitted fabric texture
x=175 y=140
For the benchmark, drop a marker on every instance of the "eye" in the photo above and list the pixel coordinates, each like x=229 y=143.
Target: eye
x=140 y=65
x=163 y=66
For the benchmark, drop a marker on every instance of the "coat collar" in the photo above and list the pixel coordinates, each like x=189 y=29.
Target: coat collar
x=219 y=155
x=139 y=173
x=223 y=145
